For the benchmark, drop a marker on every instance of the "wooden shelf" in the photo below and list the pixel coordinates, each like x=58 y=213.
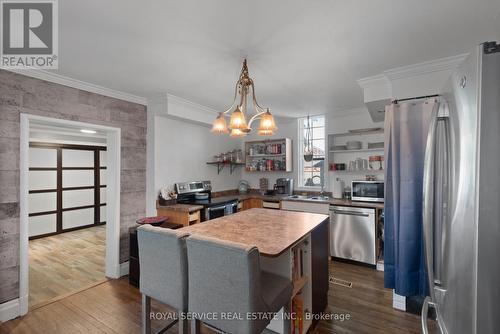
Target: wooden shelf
x=221 y=165
x=299 y=284
x=360 y=150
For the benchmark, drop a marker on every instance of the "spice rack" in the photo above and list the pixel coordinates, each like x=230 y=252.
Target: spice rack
x=274 y=155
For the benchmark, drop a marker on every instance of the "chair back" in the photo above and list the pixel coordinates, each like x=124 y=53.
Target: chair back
x=225 y=278
x=163 y=265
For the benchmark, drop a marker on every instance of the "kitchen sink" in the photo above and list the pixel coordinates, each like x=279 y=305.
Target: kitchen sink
x=309 y=198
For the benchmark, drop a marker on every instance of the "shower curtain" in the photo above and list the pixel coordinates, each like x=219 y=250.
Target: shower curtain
x=406 y=127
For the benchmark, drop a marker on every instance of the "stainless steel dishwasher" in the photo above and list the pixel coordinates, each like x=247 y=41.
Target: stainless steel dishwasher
x=352 y=233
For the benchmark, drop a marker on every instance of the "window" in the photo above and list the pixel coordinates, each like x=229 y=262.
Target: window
x=311 y=173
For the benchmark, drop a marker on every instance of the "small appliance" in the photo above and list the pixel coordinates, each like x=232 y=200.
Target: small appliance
x=367 y=191
x=284 y=186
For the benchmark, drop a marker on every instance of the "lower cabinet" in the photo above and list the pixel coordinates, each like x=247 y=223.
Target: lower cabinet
x=322 y=208
x=251 y=203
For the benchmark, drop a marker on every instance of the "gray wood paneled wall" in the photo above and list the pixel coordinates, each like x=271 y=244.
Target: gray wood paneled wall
x=22 y=94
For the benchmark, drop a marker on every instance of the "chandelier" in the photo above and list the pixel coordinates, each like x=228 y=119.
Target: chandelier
x=238 y=125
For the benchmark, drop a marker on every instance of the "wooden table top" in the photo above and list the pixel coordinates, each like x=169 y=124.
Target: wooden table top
x=271 y=231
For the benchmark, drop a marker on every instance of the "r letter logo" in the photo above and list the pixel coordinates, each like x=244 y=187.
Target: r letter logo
x=29 y=34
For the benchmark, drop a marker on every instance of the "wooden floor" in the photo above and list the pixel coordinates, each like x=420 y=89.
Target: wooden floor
x=114 y=307
x=65 y=263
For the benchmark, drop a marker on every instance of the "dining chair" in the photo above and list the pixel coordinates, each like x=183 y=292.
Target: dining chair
x=164 y=274
x=225 y=278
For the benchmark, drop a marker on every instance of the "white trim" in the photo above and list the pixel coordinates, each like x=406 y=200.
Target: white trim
x=398 y=301
x=436 y=65
x=86 y=86
x=23 y=214
x=191 y=104
x=375 y=80
x=113 y=202
x=9 y=310
x=124 y=268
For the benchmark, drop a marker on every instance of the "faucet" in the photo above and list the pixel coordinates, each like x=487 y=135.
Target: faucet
x=321 y=181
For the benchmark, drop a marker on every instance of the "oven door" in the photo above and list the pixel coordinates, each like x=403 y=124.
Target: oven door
x=213 y=212
x=369 y=191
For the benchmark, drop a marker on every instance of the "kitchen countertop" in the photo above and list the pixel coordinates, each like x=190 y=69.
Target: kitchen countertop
x=334 y=201
x=271 y=231
x=181 y=207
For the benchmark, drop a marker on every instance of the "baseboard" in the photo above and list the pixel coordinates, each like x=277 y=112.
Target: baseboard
x=124 y=268
x=398 y=301
x=9 y=310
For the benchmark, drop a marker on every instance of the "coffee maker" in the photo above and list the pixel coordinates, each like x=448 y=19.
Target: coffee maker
x=284 y=186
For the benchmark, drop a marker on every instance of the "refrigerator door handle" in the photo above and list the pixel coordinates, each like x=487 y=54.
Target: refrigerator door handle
x=425 y=313
x=428 y=202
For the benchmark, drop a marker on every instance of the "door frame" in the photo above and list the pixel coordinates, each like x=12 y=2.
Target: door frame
x=113 y=144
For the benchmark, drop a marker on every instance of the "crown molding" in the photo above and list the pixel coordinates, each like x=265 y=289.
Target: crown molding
x=437 y=65
x=191 y=104
x=78 y=84
x=375 y=80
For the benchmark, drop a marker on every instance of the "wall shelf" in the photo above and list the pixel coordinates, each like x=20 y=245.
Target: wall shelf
x=221 y=165
x=274 y=155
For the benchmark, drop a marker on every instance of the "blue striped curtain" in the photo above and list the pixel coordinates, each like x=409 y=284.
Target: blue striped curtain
x=406 y=127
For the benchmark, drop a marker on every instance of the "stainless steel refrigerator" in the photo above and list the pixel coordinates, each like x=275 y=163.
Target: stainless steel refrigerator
x=462 y=199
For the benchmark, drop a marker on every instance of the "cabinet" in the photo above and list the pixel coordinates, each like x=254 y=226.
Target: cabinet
x=323 y=208
x=274 y=155
x=177 y=216
x=251 y=203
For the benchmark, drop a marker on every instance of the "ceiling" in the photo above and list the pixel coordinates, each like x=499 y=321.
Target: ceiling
x=304 y=56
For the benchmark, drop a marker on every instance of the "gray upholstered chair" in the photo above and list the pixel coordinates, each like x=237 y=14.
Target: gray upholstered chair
x=163 y=261
x=225 y=277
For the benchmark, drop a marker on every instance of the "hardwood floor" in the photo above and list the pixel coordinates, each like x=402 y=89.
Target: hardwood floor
x=115 y=307
x=65 y=263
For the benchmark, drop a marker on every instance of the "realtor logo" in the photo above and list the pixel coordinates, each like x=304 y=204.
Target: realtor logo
x=29 y=34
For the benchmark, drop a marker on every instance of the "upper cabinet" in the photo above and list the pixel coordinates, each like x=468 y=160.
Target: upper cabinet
x=274 y=155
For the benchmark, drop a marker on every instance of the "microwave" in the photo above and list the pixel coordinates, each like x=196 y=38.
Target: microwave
x=367 y=191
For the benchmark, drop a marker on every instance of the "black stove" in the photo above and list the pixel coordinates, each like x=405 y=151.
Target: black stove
x=200 y=193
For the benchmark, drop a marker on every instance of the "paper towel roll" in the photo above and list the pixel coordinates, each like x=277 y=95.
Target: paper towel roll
x=338 y=188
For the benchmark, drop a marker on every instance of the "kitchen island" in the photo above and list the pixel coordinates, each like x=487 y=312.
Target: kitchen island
x=291 y=244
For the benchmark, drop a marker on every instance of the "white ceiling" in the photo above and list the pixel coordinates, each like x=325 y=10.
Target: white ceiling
x=304 y=56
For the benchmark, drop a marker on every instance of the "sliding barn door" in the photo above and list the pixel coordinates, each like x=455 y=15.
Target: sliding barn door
x=67 y=188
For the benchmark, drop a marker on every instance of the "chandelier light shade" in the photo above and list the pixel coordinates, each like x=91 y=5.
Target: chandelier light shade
x=267 y=125
x=237 y=113
x=237 y=120
x=220 y=125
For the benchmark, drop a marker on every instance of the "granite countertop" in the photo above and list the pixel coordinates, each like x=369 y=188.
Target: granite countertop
x=181 y=207
x=334 y=201
x=271 y=231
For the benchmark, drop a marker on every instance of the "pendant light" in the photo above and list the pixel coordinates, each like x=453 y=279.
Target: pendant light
x=238 y=125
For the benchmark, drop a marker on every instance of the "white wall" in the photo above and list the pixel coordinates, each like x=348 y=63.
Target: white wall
x=182 y=149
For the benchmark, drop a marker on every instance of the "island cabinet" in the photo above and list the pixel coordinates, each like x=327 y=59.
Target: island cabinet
x=251 y=203
x=183 y=214
x=292 y=245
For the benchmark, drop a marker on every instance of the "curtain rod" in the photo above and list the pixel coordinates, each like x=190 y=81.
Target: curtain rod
x=414 y=98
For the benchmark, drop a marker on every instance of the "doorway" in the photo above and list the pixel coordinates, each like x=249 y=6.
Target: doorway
x=69 y=207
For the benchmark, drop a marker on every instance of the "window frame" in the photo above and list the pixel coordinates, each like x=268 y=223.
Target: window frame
x=300 y=149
